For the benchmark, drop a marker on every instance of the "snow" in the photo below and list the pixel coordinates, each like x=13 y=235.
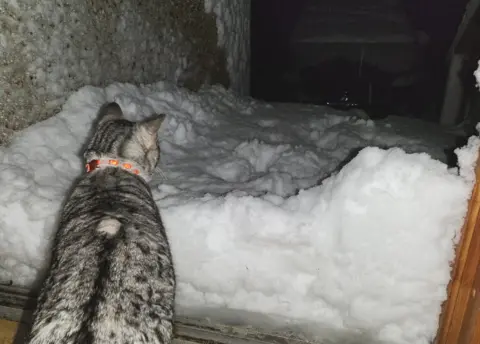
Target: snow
x=467 y=157
x=233 y=30
x=476 y=74
x=272 y=223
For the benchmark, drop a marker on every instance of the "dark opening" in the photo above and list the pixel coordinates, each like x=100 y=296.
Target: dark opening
x=386 y=57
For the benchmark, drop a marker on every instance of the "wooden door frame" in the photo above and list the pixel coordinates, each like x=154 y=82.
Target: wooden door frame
x=460 y=318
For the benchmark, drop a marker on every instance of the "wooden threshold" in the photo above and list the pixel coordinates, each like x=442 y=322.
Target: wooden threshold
x=17 y=305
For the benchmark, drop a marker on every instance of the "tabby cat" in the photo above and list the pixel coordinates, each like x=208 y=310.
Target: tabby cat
x=111 y=278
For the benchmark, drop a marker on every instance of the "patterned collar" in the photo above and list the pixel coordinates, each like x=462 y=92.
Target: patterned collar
x=95 y=164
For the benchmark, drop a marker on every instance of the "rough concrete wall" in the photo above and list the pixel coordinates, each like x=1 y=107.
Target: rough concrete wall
x=50 y=48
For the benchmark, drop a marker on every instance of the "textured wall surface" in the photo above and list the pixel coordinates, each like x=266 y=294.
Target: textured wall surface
x=51 y=48
x=233 y=32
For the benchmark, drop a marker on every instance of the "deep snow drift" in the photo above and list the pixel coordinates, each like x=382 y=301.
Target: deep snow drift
x=259 y=234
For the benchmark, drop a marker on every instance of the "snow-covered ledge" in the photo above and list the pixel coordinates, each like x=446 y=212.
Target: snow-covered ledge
x=50 y=48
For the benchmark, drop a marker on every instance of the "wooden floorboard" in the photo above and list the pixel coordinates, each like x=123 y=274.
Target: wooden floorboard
x=8 y=329
x=16 y=307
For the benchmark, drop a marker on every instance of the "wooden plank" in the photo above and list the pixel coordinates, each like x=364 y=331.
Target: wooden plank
x=472 y=314
x=17 y=304
x=9 y=334
x=7 y=331
x=456 y=319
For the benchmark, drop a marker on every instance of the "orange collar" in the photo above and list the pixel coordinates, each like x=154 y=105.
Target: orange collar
x=92 y=165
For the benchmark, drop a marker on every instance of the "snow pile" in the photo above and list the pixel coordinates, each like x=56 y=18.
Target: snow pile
x=256 y=239
x=476 y=74
x=369 y=249
x=233 y=29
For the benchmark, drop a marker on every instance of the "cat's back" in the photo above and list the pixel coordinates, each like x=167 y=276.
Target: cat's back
x=111 y=278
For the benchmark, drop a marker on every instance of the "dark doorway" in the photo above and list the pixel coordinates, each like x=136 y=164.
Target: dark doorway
x=323 y=66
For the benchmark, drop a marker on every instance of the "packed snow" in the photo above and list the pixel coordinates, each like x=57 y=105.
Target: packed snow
x=274 y=219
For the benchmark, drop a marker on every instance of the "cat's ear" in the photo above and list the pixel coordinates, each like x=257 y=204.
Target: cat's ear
x=153 y=124
x=110 y=111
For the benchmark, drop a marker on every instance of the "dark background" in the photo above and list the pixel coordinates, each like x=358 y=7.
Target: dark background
x=273 y=22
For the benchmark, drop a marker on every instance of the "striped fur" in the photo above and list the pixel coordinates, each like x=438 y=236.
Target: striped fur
x=111 y=278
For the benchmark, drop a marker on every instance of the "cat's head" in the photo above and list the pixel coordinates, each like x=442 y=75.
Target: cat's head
x=115 y=137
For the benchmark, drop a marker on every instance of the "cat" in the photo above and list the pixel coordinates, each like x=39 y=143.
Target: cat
x=111 y=278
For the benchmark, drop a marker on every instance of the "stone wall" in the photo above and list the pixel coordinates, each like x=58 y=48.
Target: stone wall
x=50 y=48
